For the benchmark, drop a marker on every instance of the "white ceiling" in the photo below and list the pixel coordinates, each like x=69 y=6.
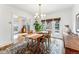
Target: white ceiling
x=45 y=8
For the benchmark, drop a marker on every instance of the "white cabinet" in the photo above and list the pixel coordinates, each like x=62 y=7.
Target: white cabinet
x=52 y=24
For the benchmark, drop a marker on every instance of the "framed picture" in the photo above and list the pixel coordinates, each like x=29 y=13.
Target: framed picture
x=77 y=23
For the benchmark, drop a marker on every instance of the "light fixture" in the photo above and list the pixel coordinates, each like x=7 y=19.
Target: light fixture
x=39 y=15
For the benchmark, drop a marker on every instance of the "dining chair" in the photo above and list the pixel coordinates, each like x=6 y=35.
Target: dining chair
x=20 y=46
x=43 y=44
x=48 y=38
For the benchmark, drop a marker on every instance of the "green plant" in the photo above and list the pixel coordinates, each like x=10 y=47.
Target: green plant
x=38 y=26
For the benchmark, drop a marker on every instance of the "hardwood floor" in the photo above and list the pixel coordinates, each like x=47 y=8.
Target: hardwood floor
x=71 y=51
x=5 y=47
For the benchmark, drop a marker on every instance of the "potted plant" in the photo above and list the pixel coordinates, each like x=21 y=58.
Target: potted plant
x=38 y=26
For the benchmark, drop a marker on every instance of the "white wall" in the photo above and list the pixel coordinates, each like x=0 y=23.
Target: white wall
x=6 y=14
x=66 y=17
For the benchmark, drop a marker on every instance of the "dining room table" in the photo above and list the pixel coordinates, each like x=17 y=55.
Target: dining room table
x=33 y=37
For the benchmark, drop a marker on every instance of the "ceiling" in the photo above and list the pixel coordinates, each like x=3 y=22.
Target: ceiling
x=45 y=8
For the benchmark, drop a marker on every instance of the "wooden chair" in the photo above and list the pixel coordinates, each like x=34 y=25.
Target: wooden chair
x=48 y=37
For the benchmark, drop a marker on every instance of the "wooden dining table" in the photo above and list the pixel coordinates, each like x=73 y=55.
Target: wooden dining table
x=33 y=36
